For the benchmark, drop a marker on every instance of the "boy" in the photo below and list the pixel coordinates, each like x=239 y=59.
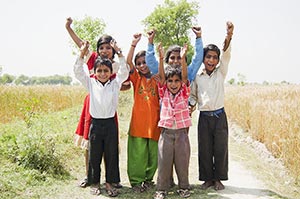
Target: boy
x=103 y=137
x=173 y=144
x=208 y=91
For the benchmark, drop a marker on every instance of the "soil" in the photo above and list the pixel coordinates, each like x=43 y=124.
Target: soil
x=250 y=173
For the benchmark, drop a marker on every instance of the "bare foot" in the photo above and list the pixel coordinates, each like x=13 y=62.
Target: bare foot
x=218 y=185
x=207 y=184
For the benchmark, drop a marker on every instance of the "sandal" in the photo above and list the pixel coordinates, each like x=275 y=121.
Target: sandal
x=184 y=193
x=160 y=195
x=117 y=185
x=84 y=183
x=138 y=189
x=112 y=192
x=95 y=190
x=147 y=185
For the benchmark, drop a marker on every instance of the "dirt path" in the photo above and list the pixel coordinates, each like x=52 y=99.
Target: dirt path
x=242 y=184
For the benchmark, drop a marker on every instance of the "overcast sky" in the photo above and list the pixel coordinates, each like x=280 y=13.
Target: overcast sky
x=265 y=45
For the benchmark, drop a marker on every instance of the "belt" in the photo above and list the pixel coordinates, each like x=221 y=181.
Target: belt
x=215 y=113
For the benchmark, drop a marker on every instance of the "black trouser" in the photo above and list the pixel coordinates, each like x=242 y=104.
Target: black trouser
x=103 y=139
x=213 y=147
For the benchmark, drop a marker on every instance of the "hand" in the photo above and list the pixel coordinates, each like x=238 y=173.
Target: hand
x=114 y=45
x=191 y=109
x=151 y=35
x=183 y=50
x=136 y=38
x=197 y=31
x=230 y=28
x=69 y=22
x=84 y=48
x=156 y=77
x=160 y=50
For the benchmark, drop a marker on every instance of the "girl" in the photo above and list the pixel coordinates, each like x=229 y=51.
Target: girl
x=143 y=131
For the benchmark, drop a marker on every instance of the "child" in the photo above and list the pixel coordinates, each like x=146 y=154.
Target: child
x=103 y=138
x=143 y=133
x=173 y=144
x=173 y=57
x=173 y=54
x=104 y=49
x=208 y=92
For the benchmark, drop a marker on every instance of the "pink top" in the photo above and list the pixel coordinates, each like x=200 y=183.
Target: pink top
x=174 y=109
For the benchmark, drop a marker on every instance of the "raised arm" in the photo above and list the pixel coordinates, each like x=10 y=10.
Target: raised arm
x=151 y=61
x=134 y=42
x=198 y=56
x=161 y=70
x=226 y=54
x=78 y=67
x=73 y=35
x=123 y=70
x=228 y=37
x=184 y=73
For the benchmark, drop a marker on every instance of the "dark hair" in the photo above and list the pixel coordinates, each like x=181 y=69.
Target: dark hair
x=142 y=53
x=103 y=61
x=211 y=47
x=105 y=39
x=173 y=48
x=172 y=70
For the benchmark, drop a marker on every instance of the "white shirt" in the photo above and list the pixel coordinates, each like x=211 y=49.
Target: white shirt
x=103 y=98
x=208 y=90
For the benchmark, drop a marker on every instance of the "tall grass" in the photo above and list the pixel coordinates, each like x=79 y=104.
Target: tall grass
x=271 y=115
x=26 y=102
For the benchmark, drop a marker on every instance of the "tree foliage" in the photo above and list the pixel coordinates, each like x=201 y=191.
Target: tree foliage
x=89 y=29
x=172 y=21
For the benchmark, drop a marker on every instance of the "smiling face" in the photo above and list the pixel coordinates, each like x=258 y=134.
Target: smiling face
x=211 y=60
x=102 y=73
x=141 y=65
x=105 y=51
x=174 y=84
x=174 y=58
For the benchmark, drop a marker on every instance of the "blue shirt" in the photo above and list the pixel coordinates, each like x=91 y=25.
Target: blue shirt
x=193 y=68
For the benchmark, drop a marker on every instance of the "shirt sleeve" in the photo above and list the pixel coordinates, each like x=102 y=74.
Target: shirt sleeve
x=193 y=94
x=224 y=61
x=151 y=61
x=123 y=71
x=79 y=72
x=196 y=60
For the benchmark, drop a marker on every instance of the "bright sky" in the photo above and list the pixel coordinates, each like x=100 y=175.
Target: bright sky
x=265 y=43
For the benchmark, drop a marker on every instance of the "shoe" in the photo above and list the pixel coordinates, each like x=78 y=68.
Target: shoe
x=160 y=195
x=184 y=193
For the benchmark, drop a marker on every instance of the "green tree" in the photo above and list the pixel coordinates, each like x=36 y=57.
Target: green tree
x=22 y=79
x=172 y=21
x=6 y=79
x=89 y=29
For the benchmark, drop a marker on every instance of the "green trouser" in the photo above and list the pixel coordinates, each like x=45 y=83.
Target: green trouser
x=141 y=159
